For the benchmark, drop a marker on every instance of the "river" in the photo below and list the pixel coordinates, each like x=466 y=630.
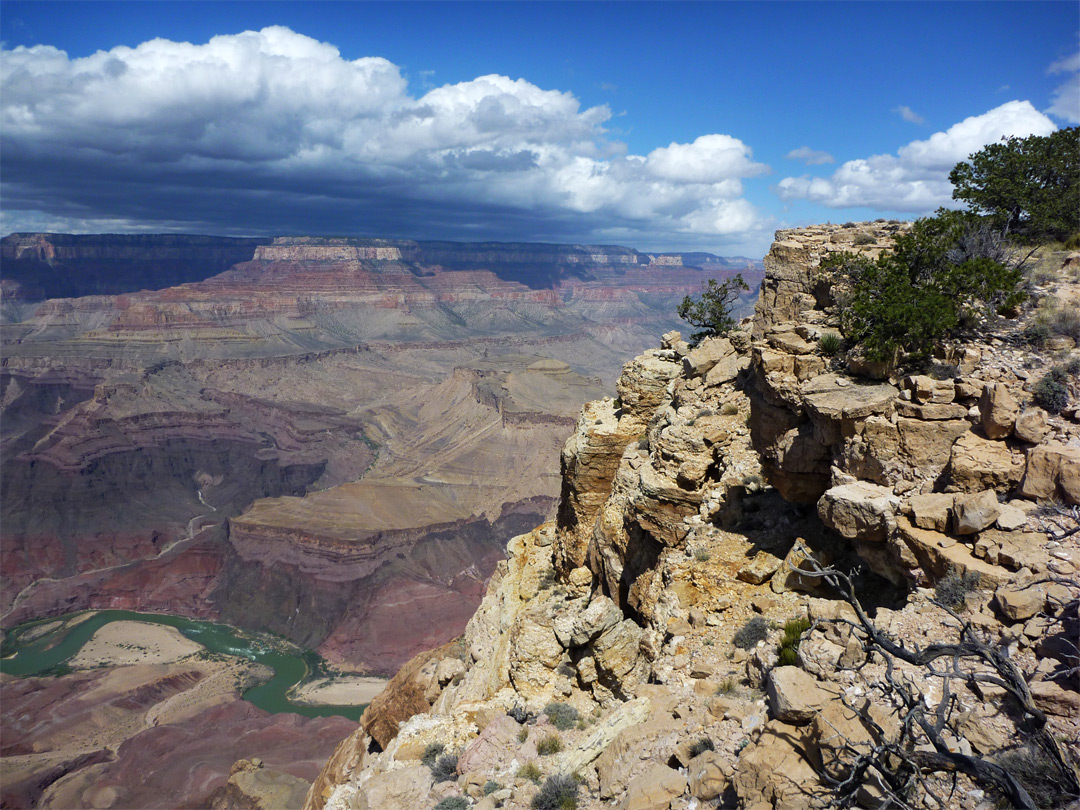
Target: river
x=48 y=652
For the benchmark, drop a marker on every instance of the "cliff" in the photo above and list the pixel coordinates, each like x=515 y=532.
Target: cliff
x=694 y=509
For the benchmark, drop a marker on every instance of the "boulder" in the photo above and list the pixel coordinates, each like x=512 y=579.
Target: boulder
x=931 y=511
x=998 y=410
x=860 y=510
x=937 y=555
x=401 y=789
x=1011 y=518
x=1052 y=469
x=1031 y=426
x=579 y=625
x=794 y=695
x=699 y=361
x=709 y=775
x=760 y=568
x=973 y=513
x=494 y=749
x=799 y=558
x=977 y=464
x=774 y=769
x=654 y=789
x=1018 y=605
x=838 y=731
x=616 y=650
x=1053 y=699
x=925 y=389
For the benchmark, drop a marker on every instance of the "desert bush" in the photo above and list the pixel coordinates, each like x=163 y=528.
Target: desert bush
x=1073 y=242
x=702 y=554
x=701 y=746
x=704 y=412
x=432 y=753
x=952 y=588
x=559 y=792
x=864 y=239
x=747 y=636
x=551 y=744
x=530 y=771
x=445 y=768
x=1037 y=333
x=523 y=734
x=727 y=686
x=453 y=803
x=1050 y=393
x=1066 y=322
x=729 y=409
x=562 y=715
x=788 y=648
x=642 y=443
x=829 y=343
x=1038 y=772
x=490 y=786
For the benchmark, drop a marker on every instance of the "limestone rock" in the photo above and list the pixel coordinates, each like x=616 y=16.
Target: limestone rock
x=1052 y=468
x=799 y=558
x=977 y=464
x=859 y=510
x=404 y=695
x=1019 y=605
x=794 y=695
x=838 y=730
x=253 y=787
x=760 y=568
x=1011 y=518
x=654 y=789
x=616 y=650
x=998 y=410
x=774 y=769
x=925 y=389
x=706 y=355
x=973 y=513
x=401 y=789
x=1053 y=699
x=938 y=554
x=709 y=775
x=494 y=749
x=576 y=626
x=931 y=511
x=1031 y=426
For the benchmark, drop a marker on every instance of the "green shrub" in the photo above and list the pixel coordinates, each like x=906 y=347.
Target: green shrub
x=702 y=554
x=864 y=239
x=453 y=803
x=711 y=312
x=490 y=786
x=523 y=735
x=953 y=588
x=946 y=272
x=727 y=686
x=562 y=715
x=559 y=792
x=445 y=768
x=642 y=443
x=701 y=746
x=751 y=633
x=551 y=744
x=1050 y=393
x=1037 y=333
x=432 y=753
x=830 y=343
x=788 y=648
x=530 y=771
x=729 y=409
x=704 y=412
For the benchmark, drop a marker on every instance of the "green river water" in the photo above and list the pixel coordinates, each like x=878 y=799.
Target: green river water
x=54 y=648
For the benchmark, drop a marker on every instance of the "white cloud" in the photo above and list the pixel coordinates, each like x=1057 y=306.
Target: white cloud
x=811 y=157
x=1066 y=96
x=909 y=114
x=916 y=179
x=266 y=120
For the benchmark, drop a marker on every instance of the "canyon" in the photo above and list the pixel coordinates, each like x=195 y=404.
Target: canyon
x=327 y=439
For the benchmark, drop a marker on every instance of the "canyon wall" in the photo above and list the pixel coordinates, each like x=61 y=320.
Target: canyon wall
x=695 y=508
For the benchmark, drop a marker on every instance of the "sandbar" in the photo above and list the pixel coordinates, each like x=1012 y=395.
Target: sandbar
x=124 y=643
x=344 y=690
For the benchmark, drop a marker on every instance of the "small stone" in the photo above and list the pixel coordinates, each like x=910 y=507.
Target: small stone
x=973 y=513
x=760 y=568
x=1019 y=605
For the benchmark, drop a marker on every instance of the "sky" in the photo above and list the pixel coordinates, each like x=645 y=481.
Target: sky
x=659 y=126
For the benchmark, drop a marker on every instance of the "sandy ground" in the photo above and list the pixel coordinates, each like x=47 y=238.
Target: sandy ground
x=123 y=643
x=345 y=690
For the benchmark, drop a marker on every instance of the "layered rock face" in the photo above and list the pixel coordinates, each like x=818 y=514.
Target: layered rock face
x=695 y=502
x=400 y=406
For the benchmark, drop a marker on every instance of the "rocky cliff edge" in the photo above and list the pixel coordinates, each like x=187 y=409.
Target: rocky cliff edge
x=691 y=505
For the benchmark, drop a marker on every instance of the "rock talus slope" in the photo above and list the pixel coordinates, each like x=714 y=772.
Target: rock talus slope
x=650 y=610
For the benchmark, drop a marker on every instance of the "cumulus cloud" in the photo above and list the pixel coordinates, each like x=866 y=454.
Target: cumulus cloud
x=916 y=179
x=1066 y=96
x=811 y=157
x=271 y=131
x=909 y=114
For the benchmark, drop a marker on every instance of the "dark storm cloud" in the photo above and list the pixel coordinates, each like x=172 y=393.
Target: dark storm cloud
x=273 y=132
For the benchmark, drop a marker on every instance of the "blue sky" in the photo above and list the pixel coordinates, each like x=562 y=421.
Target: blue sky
x=655 y=125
